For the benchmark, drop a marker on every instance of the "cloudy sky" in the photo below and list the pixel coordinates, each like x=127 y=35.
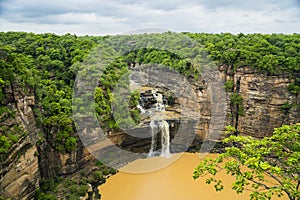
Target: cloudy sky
x=101 y=17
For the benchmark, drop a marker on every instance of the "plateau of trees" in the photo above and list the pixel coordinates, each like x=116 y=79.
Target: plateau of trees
x=43 y=65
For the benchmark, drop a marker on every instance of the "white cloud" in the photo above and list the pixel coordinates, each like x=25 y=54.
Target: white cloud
x=96 y=17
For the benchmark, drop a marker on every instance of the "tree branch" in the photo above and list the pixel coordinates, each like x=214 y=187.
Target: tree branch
x=274 y=177
x=261 y=184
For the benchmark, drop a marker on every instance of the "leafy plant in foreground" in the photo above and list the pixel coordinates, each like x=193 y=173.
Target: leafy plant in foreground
x=254 y=162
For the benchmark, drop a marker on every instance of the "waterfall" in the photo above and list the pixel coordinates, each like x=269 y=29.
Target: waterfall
x=161 y=126
x=154 y=131
x=159 y=106
x=158 y=124
x=165 y=138
x=140 y=107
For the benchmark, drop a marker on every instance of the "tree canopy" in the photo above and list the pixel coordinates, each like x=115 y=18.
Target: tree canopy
x=46 y=64
x=254 y=163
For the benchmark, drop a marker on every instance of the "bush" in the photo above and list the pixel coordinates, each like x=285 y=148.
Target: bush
x=112 y=171
x=294 y=88
x=47 y=184
x=228 y=85
x=82 y=190
x=39 y=195
x=70 y=144
x=236 y=99
x=97 y=176
x=4 y=144
x=106 y=172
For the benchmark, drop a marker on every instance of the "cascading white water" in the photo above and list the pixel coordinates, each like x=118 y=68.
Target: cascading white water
x=143 y=111
x=159 y=106
x=161 y=126
x=158 y=124
x=165 y=138
x=154 y=130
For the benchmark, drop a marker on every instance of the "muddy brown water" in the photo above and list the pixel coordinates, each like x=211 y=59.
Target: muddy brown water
x=174 y=182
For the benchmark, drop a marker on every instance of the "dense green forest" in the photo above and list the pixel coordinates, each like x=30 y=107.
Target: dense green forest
x=46 y=65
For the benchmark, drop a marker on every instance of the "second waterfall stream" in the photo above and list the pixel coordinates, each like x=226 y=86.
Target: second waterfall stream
x=158 y=125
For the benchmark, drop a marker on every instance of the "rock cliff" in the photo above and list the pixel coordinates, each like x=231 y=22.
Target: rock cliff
x=264 y=98
x=19 y=173
x=31 y=158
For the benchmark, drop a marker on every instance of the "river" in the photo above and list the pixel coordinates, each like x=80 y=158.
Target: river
x=174 y=182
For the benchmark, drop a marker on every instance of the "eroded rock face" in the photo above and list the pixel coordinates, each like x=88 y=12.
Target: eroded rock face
x=263 y=98
x=52 y=163
x=19 y=173
x=22 y=178
x=29 y=160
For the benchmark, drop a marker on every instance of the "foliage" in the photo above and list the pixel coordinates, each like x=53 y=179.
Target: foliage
x=286 y=107
x=237 y=101
x=76 y=190
x=49 y=184
x=46 y=65
x=100 y=174
x=10 y=134
x=251 y=161
x=70 y=144
x=42 y=63
x=4 y=144
x=294 y=88
x=39 y=195
x=268 y=53
x=72 y=189
x=228 y=85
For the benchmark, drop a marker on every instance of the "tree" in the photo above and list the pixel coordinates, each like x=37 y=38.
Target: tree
x=70 y=144
x=254 y=162
x=4 y=144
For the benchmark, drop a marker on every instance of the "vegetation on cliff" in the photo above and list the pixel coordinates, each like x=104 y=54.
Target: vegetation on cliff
x=42 y=63
x=46 y=65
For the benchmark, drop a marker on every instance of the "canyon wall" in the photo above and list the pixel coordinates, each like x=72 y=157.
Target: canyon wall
x=19 y=173
x=31 y=158
x=264 y=100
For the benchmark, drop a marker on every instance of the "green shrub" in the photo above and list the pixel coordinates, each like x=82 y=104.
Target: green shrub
x=97 y=175
x=82 y=190
x=39 y=195
x=236 y=99
x=70 y=144
x=5 y=144
x=13 y=138
x=47 y=184
x=112 y=171
x=294 y=88
x=228 y=85
x=106 y=172
x=286 y=107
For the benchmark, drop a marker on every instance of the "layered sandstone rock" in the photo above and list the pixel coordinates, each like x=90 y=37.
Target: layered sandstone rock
x=19 y=167
x=263 y=97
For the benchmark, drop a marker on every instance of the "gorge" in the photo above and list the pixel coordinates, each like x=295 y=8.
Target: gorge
x=41 y=153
